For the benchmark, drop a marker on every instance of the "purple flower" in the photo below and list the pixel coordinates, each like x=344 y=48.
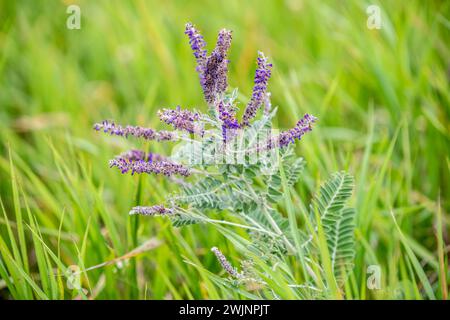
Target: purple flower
x=212 y=69
x=262 y=76
x=165 y=167
x=136 y=131
x=181 y=119
x=152 y=211
x=303 y=126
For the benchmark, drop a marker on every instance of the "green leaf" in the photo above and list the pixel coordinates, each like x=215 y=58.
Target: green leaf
x=258 y=216
x=205 y=194
x=181 y=220
x=338 y=222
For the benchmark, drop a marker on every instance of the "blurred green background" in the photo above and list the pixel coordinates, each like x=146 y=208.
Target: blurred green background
x=382 y=98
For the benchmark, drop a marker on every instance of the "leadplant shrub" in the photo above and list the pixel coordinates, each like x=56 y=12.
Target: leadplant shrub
x=237 y=174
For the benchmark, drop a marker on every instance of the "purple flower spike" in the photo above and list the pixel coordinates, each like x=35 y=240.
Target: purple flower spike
x=181 y=119
x=215 y=79
x=156 y=210
x=232 y=271
x=302 y=127
x=262 y=75
x=198 y=45
x=136 y=131
x=221 y=52
x=165 y=167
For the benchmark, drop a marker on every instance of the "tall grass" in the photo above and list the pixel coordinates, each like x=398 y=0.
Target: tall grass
x=382 y=97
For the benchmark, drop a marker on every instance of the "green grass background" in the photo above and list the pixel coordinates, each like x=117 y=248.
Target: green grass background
x=382 y=97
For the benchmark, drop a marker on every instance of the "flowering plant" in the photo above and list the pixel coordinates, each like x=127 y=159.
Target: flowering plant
x=244 y=169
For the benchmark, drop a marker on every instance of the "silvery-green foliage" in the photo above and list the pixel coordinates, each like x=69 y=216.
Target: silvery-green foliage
x=248 y=192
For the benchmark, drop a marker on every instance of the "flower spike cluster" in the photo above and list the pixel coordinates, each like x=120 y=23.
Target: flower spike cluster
x=212 y=69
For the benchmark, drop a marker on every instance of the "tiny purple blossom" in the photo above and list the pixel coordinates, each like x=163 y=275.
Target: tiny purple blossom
x=262 y=75
x=181 y=119
x=152 y=211
x=232 y=271
x=165 y=167
x=136 y=131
